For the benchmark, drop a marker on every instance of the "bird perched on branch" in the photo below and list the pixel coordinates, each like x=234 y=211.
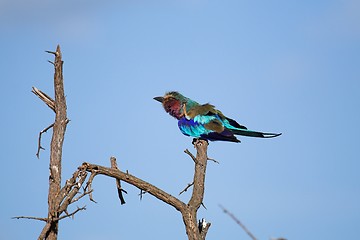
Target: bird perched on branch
x=204 y=120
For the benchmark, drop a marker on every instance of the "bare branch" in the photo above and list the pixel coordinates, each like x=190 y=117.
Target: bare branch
x=238 y=222
x=71 y=194
x=44 y=97
x=39 y=140
x=118 y=184
x=55 y=53
x=211 y=159
x=202 y=204
x=141 y=184
x=81 y=196
x=32 y=218
x=189 y=217
x=199 y=176
x=71 y=214
x=186 y=188
x=190 y=154
x=89 y=183
x=141 y=194
x=69 y=184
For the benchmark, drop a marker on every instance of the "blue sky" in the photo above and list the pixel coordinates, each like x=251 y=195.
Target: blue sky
x=278 y=66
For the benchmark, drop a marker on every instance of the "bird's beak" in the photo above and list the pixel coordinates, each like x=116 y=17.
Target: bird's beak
x=159 y=99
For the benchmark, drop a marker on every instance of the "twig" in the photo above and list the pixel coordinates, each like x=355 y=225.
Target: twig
x=190 y=154
x=142 y=192
x=118 y=184
x=32 y=218
x=187 y=187
x=71 y=214
x=55 y=53
x=211 y=159
x=39 y=140
x=88 y=185
x=44 y=97
x=238 y=222
x=81 y=196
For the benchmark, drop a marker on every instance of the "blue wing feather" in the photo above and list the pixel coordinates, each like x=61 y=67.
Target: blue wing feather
x=192 y=128
x=196 y=128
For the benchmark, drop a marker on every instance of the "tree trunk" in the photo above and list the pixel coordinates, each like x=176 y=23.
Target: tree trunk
x=56 y=146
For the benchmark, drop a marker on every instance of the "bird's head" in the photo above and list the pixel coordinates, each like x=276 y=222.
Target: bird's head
x=173 y=103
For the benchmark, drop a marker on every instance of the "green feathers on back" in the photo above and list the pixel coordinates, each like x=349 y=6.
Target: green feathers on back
x=204 y=109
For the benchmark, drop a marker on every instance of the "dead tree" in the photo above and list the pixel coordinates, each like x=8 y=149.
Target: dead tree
x=75 y=188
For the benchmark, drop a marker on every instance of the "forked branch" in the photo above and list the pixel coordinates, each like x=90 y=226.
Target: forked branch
x=59 y=199
x=188 y=210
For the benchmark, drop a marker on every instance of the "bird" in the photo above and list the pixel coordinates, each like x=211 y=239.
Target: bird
x=204 y=121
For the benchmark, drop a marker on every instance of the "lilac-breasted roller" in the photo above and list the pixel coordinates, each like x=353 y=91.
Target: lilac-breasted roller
x=204 y=120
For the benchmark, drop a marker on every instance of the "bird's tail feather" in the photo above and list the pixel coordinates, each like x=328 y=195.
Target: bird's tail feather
x=249 y=133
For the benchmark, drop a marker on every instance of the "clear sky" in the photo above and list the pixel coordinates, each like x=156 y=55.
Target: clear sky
x=278 y=66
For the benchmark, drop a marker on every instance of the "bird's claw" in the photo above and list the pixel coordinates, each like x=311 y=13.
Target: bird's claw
x=196 y=140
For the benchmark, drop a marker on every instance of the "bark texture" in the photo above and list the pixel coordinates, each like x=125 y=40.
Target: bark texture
x=56 y=145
